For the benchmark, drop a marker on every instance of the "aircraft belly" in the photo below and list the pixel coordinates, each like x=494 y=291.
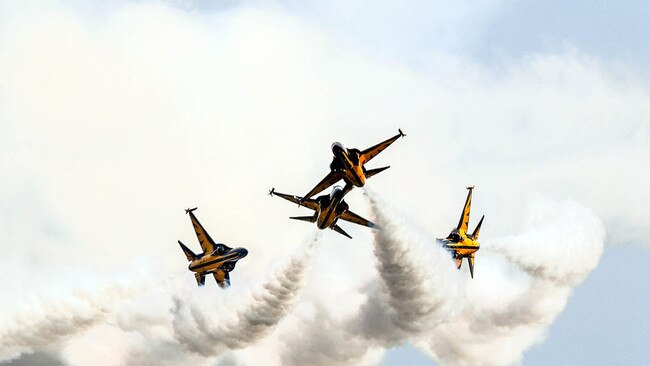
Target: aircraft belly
x=354 y=177
x=465 y=252
x=320 y=221
x=327 y=217
x=213 y=267
x=212 y=263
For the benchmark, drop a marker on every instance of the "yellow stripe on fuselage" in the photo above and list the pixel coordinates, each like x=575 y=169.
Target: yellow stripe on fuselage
x=215 y=262
x=465 y=247
x=327 y=216
x=353 y=172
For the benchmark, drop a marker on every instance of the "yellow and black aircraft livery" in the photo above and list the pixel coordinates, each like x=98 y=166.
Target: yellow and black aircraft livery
x=459 y=243
x=328 y=209
x=217 y=259
x=348 y=164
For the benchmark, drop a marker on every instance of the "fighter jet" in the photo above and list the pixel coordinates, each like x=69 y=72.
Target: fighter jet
x=328 y=209
x=348 y=164
x=218 y=259
x=459 y=243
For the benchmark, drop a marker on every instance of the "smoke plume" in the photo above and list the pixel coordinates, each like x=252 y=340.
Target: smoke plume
x=50 y=323
x=526 y=282
x=418 y=281
x=209 y=334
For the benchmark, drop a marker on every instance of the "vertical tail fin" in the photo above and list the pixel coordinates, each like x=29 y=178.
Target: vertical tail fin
x=188 y=253
x=470 y=259
x=200 y=278
x=478 y=229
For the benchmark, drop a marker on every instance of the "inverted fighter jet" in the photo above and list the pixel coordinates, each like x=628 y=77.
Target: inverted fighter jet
x=459 y=243
x=348 y=164
x=218 y=259
x=328 y=209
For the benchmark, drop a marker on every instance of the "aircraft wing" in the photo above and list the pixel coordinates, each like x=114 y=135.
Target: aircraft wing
x=369 y=153
x=222 y=278
x=309 y=203
x=207 y=244
x=352 y=217
x=331 y=178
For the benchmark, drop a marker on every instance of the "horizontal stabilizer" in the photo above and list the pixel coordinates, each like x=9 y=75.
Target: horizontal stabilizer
x=188 y=253
x=340 y=231
x=304 y=218
x=200 y=278
x=371 y=172
x=352 y=217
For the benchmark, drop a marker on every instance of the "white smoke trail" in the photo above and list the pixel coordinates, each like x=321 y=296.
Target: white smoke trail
x=50 y=323
x=420 y=284
x=324 y=340
x=560 y=244
x=419 y=288
x=524 y=283
x=209 y=334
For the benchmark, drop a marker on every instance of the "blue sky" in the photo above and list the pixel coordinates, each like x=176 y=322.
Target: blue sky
x=114 y=115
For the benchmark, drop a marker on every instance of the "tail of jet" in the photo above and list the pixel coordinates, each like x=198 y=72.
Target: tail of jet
x=474 y=235
x=371 y=172
x=470 y=260
x=340 y=231
x=188 y=253
x=304 y=218
x=200 y=278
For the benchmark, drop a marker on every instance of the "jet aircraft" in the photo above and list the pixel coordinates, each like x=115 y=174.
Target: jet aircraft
x=348 y=164
x=459 y=243
x=218 y=259
x=328 y=209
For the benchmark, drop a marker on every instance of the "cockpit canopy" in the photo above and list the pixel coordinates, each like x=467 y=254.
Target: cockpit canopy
x=337 y=146
x=220 y=249
x=454 y=236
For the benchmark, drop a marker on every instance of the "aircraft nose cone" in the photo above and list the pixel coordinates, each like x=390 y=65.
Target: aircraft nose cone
x=242 y=252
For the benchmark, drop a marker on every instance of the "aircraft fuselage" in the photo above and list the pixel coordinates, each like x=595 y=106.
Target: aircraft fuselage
x=463 y=248
x=348 y=162
x=330 y=207
x=218 y=261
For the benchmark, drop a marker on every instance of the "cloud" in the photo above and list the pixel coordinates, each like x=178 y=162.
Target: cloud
x=111 y=124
